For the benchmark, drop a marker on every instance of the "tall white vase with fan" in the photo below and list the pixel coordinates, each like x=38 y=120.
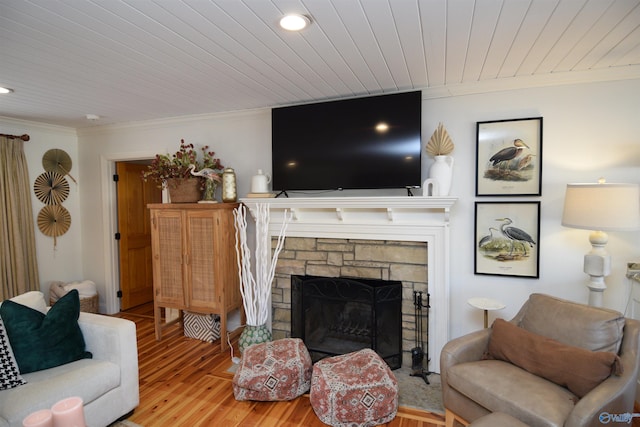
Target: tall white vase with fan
x=440 y=146
x=442 y=172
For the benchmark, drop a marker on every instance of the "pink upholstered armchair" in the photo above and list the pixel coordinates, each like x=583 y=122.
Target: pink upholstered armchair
x=474 y=383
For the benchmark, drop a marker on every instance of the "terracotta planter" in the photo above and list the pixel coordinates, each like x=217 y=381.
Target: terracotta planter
x=183 y=190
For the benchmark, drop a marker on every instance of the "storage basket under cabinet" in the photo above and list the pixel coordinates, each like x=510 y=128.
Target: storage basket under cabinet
x=204 y=327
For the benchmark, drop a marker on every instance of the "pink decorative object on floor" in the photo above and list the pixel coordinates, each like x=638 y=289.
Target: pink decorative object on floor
x=41 y=418
x=68 y=413
x=273 y=371
x=354 y=389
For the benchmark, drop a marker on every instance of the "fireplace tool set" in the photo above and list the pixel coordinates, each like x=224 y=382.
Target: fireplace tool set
x=417 y=353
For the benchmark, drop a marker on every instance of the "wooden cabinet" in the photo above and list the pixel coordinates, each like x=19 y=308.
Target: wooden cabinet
x=194 y=261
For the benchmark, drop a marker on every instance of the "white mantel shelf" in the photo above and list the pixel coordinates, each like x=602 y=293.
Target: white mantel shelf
x=360 y=209
x=418 y=219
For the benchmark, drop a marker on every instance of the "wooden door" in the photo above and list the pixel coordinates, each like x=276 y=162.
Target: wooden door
x=136 y=278
x=204 y=289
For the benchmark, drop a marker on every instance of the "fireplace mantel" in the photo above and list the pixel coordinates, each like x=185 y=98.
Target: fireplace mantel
x=419 y=219
x=358 y=209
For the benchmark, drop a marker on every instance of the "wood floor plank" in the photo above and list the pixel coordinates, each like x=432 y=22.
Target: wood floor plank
x=184 y=381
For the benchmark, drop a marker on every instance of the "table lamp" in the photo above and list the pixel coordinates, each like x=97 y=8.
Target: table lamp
x=600 y=207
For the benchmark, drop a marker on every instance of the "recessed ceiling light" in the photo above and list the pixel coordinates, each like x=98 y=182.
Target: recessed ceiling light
x=382 y=127
x=5 y=90
x=294 y=22
x=92 y=117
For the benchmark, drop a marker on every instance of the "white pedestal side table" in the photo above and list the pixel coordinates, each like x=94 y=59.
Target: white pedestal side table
x=485 y=304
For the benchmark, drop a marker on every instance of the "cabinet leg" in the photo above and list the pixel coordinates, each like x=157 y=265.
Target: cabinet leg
x=223 y=332
x=157 y=317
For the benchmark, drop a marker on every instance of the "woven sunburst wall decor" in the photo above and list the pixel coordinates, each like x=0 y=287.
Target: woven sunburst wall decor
x=51 y=188
x=57 y=160
x=54 y=221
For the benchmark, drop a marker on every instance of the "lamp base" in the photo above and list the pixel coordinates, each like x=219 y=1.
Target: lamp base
x=595 y=295
x=597 y=264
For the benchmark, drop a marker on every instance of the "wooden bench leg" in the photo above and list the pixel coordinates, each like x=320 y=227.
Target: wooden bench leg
x=450 y=418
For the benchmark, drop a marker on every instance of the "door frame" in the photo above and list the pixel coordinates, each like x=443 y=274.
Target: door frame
x=110 y=223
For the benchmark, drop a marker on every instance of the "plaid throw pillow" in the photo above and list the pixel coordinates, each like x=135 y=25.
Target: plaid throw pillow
x=9 y=373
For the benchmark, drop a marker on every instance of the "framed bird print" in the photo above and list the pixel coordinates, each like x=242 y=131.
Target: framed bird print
x=509 y=157
x=507 y=237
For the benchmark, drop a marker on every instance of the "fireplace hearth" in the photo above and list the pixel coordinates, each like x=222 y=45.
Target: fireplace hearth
x=339 y=315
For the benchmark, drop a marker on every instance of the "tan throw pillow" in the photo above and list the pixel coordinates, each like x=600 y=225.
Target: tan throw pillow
x=578 y=369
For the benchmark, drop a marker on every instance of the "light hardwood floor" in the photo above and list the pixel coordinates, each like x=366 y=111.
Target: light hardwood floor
x=184 y=382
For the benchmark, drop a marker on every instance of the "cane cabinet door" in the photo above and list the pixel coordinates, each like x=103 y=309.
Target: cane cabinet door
x=168 y=251
x=202 y=227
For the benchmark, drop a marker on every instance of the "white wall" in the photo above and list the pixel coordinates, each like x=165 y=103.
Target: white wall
x=590 y=130
x=241 y=140
x=65 y=261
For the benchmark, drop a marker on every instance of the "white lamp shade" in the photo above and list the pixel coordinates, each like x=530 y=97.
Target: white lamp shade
x=602 y=207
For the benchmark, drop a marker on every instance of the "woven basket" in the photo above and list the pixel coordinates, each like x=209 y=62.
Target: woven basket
x=87 y=304
x=184 y=190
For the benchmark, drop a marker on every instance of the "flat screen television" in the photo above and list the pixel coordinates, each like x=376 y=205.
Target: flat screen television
x=360 y=143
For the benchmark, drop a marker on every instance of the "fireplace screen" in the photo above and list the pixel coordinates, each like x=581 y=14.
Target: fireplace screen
x=340 y=315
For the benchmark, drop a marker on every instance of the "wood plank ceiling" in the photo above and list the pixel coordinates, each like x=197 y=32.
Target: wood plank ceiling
x=131 y=60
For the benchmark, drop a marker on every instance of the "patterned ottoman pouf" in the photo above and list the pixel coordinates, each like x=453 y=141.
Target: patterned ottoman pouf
x=274 y=370
x=355 y=389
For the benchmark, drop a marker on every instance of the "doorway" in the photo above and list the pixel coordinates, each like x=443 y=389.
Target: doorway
x=134 y=233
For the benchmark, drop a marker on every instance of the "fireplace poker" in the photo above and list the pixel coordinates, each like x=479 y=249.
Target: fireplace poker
x=417 y=353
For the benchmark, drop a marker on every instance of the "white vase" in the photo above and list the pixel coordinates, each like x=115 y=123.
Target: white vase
x=442 y=172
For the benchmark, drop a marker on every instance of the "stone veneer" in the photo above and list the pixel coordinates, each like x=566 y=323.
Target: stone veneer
x=371 y=259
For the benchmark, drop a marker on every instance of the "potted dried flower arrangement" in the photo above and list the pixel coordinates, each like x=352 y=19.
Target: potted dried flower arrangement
x=174 y=172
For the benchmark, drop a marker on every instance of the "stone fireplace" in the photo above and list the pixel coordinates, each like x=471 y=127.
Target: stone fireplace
x=367 y=259
x=392 y=238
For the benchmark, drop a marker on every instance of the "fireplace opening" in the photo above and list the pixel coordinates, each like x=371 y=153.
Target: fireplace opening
x=339 y=315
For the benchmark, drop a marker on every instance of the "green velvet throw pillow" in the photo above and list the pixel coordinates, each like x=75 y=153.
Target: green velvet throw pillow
x=42 y=341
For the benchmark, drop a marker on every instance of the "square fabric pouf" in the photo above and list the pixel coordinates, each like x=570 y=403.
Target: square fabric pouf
x=205 y=327
x=274 y=370
x=355 y=389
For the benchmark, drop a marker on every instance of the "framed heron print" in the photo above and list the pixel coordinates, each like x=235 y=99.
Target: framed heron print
x=509 y=157
x=507 y=239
